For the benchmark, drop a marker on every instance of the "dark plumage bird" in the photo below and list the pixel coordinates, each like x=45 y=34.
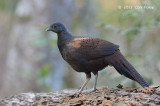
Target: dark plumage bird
x=90 y=55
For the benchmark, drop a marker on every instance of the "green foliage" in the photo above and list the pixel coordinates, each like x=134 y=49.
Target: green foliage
x=45 y=69
x=2 y=4
x=131 y=14
x=42 y=38
x=157 y=20
x=8 y=5
x=42 y=75
x=130 y=33
x=53 y=40
x=135 y=60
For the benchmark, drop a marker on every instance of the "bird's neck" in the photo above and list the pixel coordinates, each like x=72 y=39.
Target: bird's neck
x=64 y=37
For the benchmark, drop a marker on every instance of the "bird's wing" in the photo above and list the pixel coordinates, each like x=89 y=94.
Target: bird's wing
x=92 y=48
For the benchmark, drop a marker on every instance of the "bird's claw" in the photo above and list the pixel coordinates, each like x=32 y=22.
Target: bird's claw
x=77 y=93
x=91 y=91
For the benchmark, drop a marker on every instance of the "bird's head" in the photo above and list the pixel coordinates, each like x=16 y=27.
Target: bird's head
x=57 y=28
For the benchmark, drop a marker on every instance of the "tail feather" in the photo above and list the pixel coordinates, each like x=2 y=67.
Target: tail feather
x=118 y=61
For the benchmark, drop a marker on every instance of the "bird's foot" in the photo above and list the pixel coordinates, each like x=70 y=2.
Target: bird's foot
x=91 y=91
x=77 y=93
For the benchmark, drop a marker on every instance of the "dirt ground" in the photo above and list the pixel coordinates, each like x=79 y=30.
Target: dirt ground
x=102 y=97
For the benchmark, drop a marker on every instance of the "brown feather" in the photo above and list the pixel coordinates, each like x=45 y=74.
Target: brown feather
x=118 y=61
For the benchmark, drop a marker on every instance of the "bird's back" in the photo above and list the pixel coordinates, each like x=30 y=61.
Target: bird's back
x=87 y=54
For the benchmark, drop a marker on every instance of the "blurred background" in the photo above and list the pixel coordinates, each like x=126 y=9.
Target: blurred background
x=29 y=57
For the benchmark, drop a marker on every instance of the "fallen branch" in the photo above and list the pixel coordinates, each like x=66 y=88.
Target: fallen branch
x=103 y=96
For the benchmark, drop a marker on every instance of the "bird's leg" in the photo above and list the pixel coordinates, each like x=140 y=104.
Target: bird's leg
x=88 y=77
x=95 y=83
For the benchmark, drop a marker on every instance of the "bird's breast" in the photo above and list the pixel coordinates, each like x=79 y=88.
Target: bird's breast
x=74 y=58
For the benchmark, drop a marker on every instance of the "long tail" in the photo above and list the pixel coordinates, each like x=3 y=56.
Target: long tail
x=118 y=61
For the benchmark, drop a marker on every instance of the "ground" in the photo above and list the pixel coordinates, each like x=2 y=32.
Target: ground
x=104 y=96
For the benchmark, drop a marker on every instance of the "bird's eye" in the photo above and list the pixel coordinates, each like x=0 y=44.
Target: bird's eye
x=55 y=26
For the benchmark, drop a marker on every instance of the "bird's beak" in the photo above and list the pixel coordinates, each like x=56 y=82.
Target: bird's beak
x=49 y=29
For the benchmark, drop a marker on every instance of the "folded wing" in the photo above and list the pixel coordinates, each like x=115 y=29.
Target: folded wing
x=92 y=48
